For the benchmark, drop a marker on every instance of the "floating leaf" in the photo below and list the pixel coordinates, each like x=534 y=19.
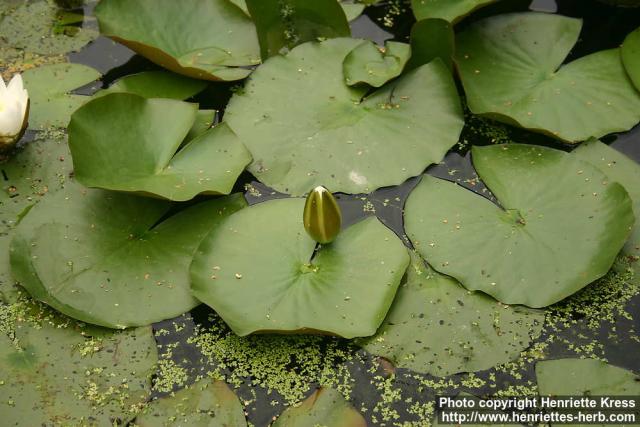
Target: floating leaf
x=559 y=226
x=344 y=288
x=437 y=327
x=288 y=23
x=584 y=377
x=105 y=258
x=57 y=376
x=631 y=56
x=305 y=127
x=352 y=10
x=203 y=39
x=40 y=168
x=449 y=10
x=48 y=85
x=325 y=407
x=156 y=84
x=206 y=403
x=139 y=153
x=369 y=64
x=204 y=121
x=620 y=168
x=511 y=69
x=430 y=39
x=32 y=27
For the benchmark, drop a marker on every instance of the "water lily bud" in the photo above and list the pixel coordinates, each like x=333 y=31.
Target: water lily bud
x=322 y=217
x=14 y=112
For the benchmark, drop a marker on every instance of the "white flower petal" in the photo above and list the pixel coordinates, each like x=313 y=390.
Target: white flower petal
x=11 y=118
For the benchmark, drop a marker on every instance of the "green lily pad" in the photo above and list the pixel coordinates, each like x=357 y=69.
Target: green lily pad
x=344 y=289
x=104 y=258
x=325 y=407
x=206 y=403
x=620 y=168
x=449 y=10
x=204 y=121
x=156 y=84
x=559 y=226
x=584 y=377
x=430 y=39
x=437 y=327
x=305 y=127
x=511 y=69
x=369 y=64
x=288 y=23
x=40 y=168
x=209 y=40
x=57 y=376
x=50 y=104
x=631 y=56
x=139 y=154
x=36 y=27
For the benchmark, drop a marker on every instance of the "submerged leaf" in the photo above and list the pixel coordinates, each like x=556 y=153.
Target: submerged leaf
x=206 y=403
x=511 y=69
x=305 y=127
x=584 y=377
x=50 y=104
x=57 y=376
x=112 y=259
x=203 y=39
x=436 y=326
x=559 y=226
x=124 y=142
x=288 y=23
x=325 y=407
x=272 y=279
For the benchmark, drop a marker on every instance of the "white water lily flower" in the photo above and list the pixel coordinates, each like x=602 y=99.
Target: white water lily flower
x=14 y=106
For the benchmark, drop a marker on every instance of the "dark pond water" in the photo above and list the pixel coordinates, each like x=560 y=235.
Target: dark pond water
x=604 y=27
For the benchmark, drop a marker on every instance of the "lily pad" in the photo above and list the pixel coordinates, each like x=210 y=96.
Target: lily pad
x=112 y=259
x=325 y=407
x=139 y=154
x=620 y=168
x=203 y=39
x=39 y=168
x=32 y=27
x=50 y=104
x=369 y=64
x=430 y=39
x=156 y=84
x=437 y=327
x=449 y=10
x=288 y=23
x=57 y=376
x=305 y=127
x=352 y=10
x=511 y=69
x=584 y=377
x=206 y=403
x=631 y=56
x=345 y=288
x=559 y=226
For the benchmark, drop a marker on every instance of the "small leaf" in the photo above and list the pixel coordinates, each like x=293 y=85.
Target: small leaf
x=430 y=39
x=369 y=64
x=322 y=217
x=288 y=23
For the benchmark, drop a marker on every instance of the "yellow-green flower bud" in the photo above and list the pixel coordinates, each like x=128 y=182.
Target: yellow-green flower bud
x=322 y=217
